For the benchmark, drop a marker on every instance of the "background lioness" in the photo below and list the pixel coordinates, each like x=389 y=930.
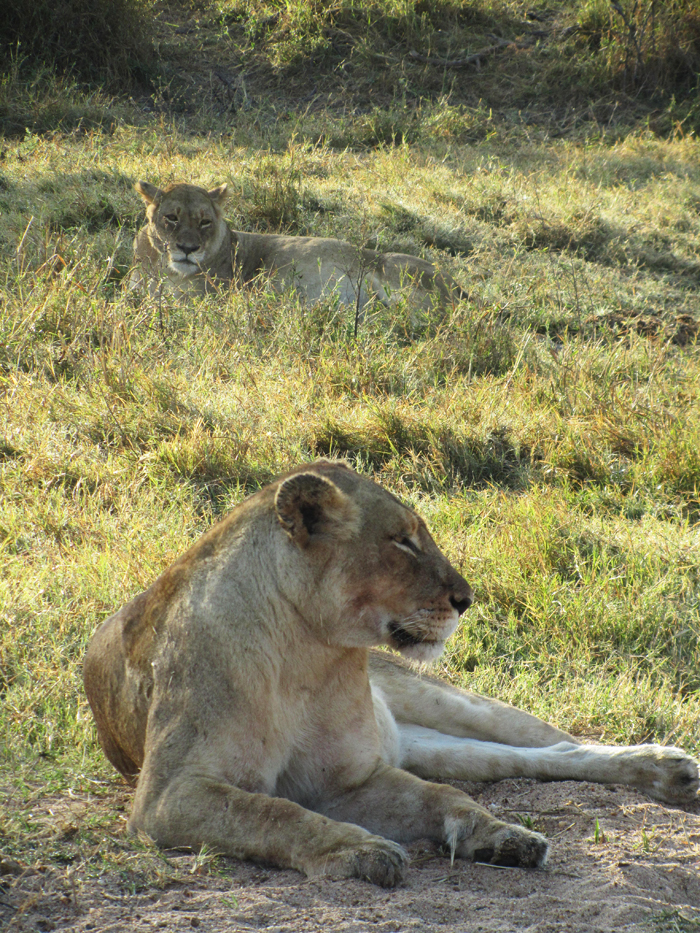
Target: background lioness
x=240 y=690
x=187 y=246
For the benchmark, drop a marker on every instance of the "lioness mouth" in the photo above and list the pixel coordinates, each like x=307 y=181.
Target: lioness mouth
x=402 y=638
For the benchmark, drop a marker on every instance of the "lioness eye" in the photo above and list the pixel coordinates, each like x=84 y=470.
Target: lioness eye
x=406 y=544
x=205 y=223
x=171 y=218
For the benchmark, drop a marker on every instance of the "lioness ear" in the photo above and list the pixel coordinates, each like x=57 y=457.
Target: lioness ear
x=218 y=194
x=148 y=192
x=307 y=505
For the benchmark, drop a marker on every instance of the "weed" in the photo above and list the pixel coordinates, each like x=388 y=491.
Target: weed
x=203 y=861
x=647 y=843
x=599 y=837
x=272 y=197
x=674 y=921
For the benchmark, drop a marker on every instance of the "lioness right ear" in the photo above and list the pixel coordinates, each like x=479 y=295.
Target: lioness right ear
x=218 y=194
x=148 y=192
x=307 y=506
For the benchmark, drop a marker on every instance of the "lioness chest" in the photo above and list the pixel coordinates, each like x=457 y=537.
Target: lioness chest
x=299 y=737
x=326 y=754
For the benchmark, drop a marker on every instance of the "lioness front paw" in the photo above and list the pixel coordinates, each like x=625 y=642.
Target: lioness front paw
x=499 y=844
x=376 y=860
x=516 y=847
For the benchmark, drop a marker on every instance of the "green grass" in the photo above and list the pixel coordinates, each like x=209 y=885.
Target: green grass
x=92 y=40
x=548 y=429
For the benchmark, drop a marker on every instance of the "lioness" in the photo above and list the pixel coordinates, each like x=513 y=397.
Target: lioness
x=187 y=246
x=241 y=691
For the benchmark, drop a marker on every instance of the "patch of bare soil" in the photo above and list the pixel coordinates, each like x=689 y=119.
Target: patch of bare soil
x=619 y=862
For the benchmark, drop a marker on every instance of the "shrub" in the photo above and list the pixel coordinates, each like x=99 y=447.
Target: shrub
x=646 y=43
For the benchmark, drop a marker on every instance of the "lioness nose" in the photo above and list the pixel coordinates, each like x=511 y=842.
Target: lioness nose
x=187 y=248
x=462 y=601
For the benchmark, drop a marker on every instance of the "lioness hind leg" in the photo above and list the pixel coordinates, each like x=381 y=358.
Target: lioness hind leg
x=447 y=733
x=194 y=810
x=665 y=773
x=403 y=807
x=423 y=700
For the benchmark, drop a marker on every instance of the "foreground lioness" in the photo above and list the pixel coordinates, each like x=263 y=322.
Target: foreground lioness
x=187 y=246
x=241 y=691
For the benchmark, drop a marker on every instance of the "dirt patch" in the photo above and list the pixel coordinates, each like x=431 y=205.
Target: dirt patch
x=619 y=862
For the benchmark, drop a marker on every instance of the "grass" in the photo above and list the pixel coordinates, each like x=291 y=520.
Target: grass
x=88 y=39
x=547 y=428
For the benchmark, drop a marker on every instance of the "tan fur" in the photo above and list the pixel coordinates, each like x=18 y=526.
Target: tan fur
x=187 y=246
x=240 y=690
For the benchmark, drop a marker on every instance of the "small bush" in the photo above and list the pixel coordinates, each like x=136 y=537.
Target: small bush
x=646 y=43
x=104 y=41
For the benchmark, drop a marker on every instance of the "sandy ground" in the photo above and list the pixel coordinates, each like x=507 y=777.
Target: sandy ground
x=639 y=870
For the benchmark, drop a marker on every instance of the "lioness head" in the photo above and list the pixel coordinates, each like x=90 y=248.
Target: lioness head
x=369 y=561
x=185 y=224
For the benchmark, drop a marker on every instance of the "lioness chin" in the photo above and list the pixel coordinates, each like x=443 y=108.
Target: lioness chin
x=241 y=692
x=187 y=246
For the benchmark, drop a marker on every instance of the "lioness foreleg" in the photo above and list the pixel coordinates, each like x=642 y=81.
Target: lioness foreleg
x=194 y=810
x=403 y=807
